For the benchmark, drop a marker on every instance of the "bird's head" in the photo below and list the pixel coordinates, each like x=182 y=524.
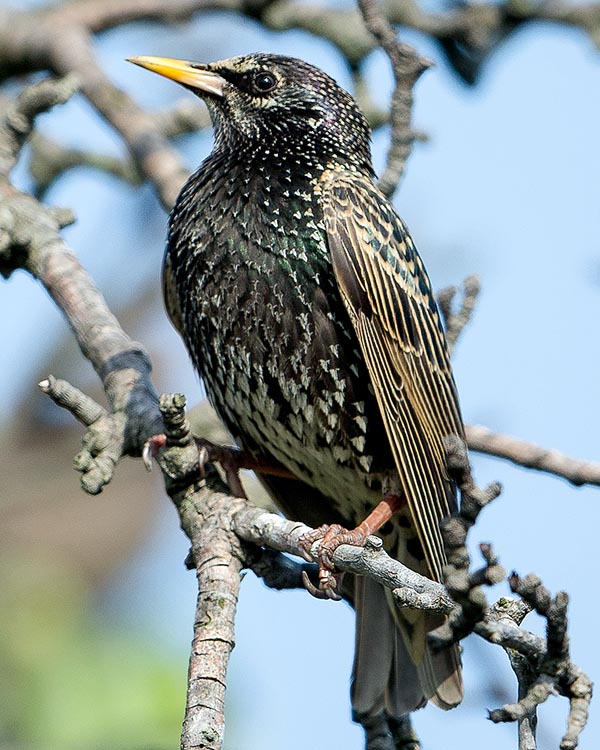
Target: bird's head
x=276 y=105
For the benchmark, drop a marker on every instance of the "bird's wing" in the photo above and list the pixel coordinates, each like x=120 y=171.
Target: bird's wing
x=387 y=293
x=170 y=297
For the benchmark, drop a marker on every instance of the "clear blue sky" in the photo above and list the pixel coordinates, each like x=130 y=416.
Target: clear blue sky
x=507 y=187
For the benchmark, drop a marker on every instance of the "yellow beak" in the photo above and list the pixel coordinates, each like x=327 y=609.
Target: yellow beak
x=194 y=75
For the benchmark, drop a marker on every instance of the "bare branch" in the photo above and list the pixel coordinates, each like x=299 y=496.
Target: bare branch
x=407 y=66
x=30 y=239
x=545 y=667
x=463 y=585
x=548 y=659
x=49 y=159
x=206 y=517
x=410 y=589
x=531 y=456
x=71 y=50
x=17 y=118
x=457 y=321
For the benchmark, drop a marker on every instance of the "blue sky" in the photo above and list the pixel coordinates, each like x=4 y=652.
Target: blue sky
x=507 y=187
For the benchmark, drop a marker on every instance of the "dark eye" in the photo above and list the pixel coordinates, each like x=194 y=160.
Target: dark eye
x=264 y=82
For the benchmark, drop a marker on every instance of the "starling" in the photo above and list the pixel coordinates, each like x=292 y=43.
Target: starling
x=309 y=316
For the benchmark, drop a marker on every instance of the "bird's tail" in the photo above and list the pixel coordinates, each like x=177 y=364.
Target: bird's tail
x=394 y=668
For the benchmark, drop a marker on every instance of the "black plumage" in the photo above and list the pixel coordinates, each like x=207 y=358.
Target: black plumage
x=310 y=317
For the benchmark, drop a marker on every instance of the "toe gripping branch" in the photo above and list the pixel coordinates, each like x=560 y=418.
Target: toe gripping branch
x=331 y=536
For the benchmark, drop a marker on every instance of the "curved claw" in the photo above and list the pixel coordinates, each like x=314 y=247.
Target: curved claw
x=312 y=589
x=151 y=449
x=203 y=459
x=147 y=456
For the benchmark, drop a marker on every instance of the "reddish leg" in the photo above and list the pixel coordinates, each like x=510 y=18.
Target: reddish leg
x=332 y=536
x=231 y=459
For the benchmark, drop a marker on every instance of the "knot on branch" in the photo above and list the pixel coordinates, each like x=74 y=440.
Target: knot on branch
x=178 y=431
x=179 y=460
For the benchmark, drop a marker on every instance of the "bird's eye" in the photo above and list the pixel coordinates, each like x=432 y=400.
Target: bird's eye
x=264 y=82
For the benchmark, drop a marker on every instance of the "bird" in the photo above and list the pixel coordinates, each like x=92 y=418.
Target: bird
x=309 y=316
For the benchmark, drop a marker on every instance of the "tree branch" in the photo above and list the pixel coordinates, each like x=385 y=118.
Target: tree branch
x=531 y=456
x=545 y=668
x=456 y=322
x=218 y=557
x=30 y=239
x=407 y=67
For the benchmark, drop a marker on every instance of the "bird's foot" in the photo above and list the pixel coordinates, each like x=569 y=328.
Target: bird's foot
x=331 y=536
x=231 y=459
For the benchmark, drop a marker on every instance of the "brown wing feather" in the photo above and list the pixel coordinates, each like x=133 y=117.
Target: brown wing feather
x=388 y=296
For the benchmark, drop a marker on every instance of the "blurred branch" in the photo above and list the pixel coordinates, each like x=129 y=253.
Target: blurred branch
x=30 y=239
x=407 y=66
x=49 y=159
x=72 y=50
x=17 y=118
x=531 y=456
x=457 y=321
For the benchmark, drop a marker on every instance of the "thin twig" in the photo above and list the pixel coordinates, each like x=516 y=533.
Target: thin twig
x=457 y=321
x=407 y=66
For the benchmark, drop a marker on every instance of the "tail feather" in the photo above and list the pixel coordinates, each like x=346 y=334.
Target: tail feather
x=394 y=669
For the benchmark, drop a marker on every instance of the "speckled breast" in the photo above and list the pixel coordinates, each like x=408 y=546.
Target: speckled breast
x=268 y=332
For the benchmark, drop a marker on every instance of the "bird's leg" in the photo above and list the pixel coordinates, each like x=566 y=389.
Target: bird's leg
x=332 y=536
x=231 y=459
